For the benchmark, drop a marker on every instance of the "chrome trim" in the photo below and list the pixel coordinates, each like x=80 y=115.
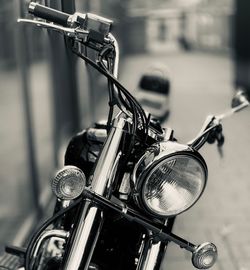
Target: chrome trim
x=86 y=231
x=155 y=135
x=115 y=69
x=73 y=18
x=32 y=6
x=65 y=203
x=199 y=252
x=113 y=171
x=90 y=221
x=156 y=155
x=85 y=238
x=108 y=157
x=70 y=32
x=151 y=256
x=44 y=236
x=117 y=55
x=156 y=152
x=198 y=141
x=124 y=210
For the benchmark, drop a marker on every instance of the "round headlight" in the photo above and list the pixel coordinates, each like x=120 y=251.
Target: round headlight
x=172 y=183
x=68 y=183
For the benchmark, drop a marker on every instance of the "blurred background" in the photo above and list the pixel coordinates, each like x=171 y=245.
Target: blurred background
x=47 y=95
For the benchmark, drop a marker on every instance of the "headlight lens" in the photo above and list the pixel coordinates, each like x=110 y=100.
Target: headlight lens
x=173 y=184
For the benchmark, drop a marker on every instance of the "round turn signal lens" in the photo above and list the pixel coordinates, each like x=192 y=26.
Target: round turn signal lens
x=68 y=183
x=204 y=256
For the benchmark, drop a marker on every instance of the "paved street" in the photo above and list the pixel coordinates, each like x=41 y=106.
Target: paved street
x=202 y=85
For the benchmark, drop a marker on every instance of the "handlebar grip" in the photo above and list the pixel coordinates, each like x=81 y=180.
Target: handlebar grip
x=49 y=14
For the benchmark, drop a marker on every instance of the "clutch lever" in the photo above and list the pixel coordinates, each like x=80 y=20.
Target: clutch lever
x=232 y=111
x=69 y=32
x=239 y=103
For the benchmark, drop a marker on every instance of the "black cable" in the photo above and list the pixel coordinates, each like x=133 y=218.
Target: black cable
x=111 y=106
x=112 y=100
x=43 y=227
x=121 y=99
x=124 y=102
x=147 y=128
x=134 y=111
x=106 y=52
x=118 y=84
x=129 y=105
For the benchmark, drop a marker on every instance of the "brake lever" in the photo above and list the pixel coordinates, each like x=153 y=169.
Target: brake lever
x=69 y=32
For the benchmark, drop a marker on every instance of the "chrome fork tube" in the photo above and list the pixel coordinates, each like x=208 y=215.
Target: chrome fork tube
x=152 y=255
x=153 y=252
x=90 y=221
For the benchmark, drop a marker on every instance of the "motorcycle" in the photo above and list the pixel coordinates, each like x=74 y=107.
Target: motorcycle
x=125 y=180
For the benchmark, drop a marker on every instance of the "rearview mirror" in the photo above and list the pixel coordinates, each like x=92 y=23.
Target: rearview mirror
x=239 y=101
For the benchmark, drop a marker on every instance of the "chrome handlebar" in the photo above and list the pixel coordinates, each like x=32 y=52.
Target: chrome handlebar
x=77 y=33
x=82 y=27
x=88 y=29
x=212 y=122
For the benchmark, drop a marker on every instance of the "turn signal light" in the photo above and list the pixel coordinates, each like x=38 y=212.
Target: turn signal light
x=204 y=256
x=68 y=183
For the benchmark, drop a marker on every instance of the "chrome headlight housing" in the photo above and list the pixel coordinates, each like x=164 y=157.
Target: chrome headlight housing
x=169 y=179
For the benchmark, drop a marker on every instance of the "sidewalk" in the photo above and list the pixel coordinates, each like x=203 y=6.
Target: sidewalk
x=202 y=85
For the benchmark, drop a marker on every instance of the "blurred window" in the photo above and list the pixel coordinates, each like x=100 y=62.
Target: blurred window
x=162 y=30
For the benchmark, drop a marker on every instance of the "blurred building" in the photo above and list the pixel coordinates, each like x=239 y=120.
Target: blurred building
x=208 y=25
x=157 y=26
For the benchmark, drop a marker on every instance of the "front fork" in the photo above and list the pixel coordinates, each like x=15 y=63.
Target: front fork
x=83 y=241
x=87 y=229
x=153 y=251
x=152 y=255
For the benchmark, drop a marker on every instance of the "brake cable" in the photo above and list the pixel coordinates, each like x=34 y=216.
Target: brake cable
x=132 y=100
